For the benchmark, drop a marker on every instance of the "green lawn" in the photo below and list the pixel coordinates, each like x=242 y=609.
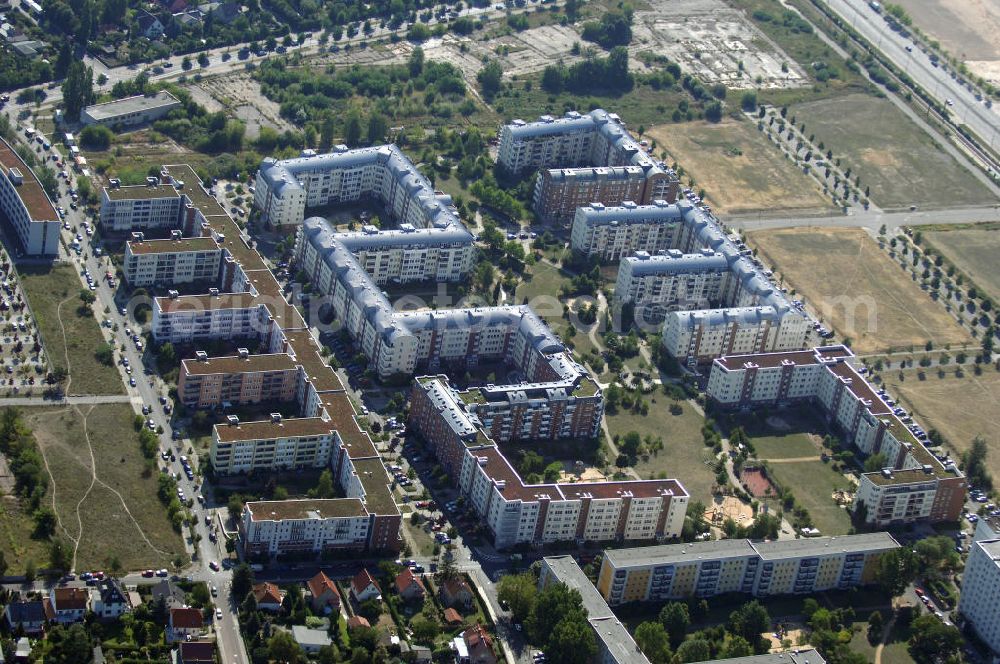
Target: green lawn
x=784 y=446
x=895 y=651
x=684 y=455
x=421 y=538
x=111 y=508
x=16 y=542
x=52 y=294
x=813 y=483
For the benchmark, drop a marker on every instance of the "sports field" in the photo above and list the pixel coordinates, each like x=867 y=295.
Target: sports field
x=738 y=168
x=974 y=251
x=854 y=286
x=960 y=408
x=892 y=155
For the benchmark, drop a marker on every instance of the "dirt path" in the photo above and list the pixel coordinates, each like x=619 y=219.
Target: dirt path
x=792 y=459
x=886 y=633
x=62 y=329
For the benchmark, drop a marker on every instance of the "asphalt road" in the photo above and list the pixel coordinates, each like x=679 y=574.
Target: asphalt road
x=917 y=64
x=858 y=218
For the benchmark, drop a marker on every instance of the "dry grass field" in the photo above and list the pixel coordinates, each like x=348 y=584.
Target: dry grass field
x=968 y=29
x=901 y=164
x=855 y=287
x=737 y=166
x=960 y=408
x=974 y=251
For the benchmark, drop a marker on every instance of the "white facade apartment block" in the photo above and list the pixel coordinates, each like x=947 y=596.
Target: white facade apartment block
x=231 y=456
x=140 y=207
x=144 y=267
x=210 y=322
x=614 y=232
x=304 y=525
x=980 y=588
x=27 y=206
x=672 y=280
x=897 y=502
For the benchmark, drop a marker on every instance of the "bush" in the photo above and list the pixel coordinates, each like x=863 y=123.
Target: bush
x=96 y=137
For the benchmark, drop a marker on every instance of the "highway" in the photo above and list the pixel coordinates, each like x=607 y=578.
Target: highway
x=941 y=83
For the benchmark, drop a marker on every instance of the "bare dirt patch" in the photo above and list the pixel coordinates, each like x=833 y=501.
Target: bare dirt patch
x=968 y=29
x=737 y=166
x=854 y=286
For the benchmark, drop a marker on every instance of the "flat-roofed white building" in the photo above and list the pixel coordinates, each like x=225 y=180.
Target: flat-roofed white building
x=27 y=206
x=277 y=444
x=175 y=261
x=656 y=284
x=140 y=207
x=130 y=111
x=980 y=588
x=277 y=527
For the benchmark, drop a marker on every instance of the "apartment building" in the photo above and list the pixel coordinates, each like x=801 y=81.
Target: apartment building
x=537 y=514
x=154 y=205
x=240 y=379
x=559 y=192
x=914 y=486
x=178 y=260
x=612 y=232
x=614 y=643
x=706 y=569
x=247 y=302
x=314 y=526
x=653 y=285
x=27 y=206
x=980 y=587
x=698 y=337
x=589 y=158
x=410 y=254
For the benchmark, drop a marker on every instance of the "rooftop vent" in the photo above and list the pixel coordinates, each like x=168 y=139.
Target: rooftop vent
x=173 y=294
x=152 y=181
x=15 y=176
x=176 y=235
x=232 y=420
x=201 y=356
x=887 y=472
x=214 y=292
x=115 y=183
x=138 y=237
x=276 y=418
x=243 y=353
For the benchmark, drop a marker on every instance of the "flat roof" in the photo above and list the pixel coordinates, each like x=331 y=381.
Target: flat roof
x=772 y=360
x=193 y=188
x=375 y=480
x=307 y=355
x=231 y=364
x=141 y=192
x=821 y=546
x=196 y=303
x=112 y=109
x=172 y=246
x=35 y=200
x=666 y=554
x=267 y=430
x=339 y=408
x=797 y=656
x=280 y=510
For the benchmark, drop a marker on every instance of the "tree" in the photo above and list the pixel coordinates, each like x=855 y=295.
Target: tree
x=552 y=604
x=60 y=555
x=654 y=642
x=937 y=554
x=896 y=570
x=69 y=645
x=352 y=128
x=695 y=650
x=282 y=648
x=932 y=641
x=96 y=137
x=750 y=621
x=416 y=62
x=974 y=463
x=571 y=641
x=875 y=462
x=105 y=354
x=713 y=112
x=676 y=619
x=324 y=486
x=45 y=522
x=490 y=78
x=30 y=570
x=3 y=564
x=738 y=647
x=518 y=591
x=77 y=89
x=377 y=127
x=875 y=626
x=242 y=582
x=749 y=101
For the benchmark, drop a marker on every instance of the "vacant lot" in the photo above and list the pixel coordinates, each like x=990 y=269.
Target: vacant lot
x=974 y=251
x=968 y=29
x=738 y=168
x=934 y=401
x=684 y=456
x=855 y=287
x=69 y=338
x=894 y=157
x=106 y=504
